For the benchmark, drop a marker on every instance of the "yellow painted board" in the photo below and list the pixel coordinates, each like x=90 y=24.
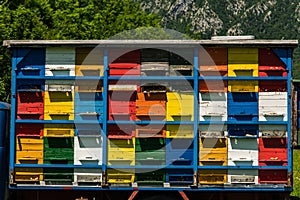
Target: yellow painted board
x=242 y=69
x=212 y=176
x=59 y=103
x=180 y=106
x=89 y=70
x=58 y=98
x=180 y=96
x=210 y=158
x=242 y=55
x=121 y=158
x=179 y=131
x=29 y=143
x=243 y=86
x=124 y=145
x=28 y=174
x=125 y=176
x=29 y=157
x=59 y=115
x=214 y=145
x=242 y=62
x=58 y=130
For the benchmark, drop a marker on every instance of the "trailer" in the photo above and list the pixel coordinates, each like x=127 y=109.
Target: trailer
x=151 y=119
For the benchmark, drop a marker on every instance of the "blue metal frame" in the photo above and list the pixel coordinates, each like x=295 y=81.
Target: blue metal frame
x=13 y=111
x=196 y=111
x=289 y=130
x=287 y=59
x=105 y=110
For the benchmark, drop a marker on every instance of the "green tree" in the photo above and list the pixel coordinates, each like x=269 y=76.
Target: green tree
x=65 y=19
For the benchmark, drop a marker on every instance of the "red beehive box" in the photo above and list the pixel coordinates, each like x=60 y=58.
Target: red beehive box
x=122 y=110
x=122 y=105
x=213 y=62
x=272 y=176
x=124 y=69
x=272 y=151
x=121 y=131
x=120 y=55
x=272 y=86
x=270 y=64
x=34 y=130
x=30 y=103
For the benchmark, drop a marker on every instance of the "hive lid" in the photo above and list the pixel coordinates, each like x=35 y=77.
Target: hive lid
x=4 y=106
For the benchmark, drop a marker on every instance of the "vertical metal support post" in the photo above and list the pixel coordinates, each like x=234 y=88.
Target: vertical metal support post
x=104 y=122
x=13 y=115
x=290 y=156
x=196 y=100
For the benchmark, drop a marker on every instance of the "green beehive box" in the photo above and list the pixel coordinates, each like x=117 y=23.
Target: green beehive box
x=58 y=176
x=58 y=150
x=155 y=177
x=150 y=151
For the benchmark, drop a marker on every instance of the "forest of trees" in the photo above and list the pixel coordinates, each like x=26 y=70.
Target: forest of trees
x=102 y=19
x=64 y=19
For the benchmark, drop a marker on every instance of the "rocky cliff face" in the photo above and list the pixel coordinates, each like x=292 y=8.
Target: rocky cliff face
x=204 y=18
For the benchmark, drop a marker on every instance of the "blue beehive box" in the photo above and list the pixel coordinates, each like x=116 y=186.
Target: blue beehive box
x=88 y=106
x=30 y=62
x=242 y=106
x=179 y=151
x=242 y=130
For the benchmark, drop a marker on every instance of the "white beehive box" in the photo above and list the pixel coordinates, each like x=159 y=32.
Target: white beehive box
x=88 y=150
x=272 y=106
x=60 y=61
x=59 y=85
x=272 y=130
x=242 y=152
x=213 y=130
x=87 y=177
x=244 y=176
x=213 y=106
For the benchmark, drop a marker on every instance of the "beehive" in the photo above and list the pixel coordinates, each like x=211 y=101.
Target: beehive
x=105 y=116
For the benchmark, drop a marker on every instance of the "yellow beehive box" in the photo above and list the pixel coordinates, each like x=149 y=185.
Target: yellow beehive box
x=179 y=131
x=213 y=145
x=29 y=144
x=115 y=176
x=89 y=61
x=212 y=176
x=243 y=86
x=180 y=106
x=60 y=103
x=125 y=145
x=209 y=158
x=121 y=157
x=242 y=62
x=213 y=151
x=28 y=175
x=89 y=70
x=58 y=130
x=29 y=157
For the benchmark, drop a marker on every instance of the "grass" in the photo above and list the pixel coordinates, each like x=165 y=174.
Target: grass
x=296 y=171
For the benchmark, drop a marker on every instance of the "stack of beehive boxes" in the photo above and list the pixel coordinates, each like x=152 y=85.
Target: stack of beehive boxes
x=122 y=106
x=30 y=106
x=273 y=107
x=88 y=108
x=59 y=105
x=241 y=126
